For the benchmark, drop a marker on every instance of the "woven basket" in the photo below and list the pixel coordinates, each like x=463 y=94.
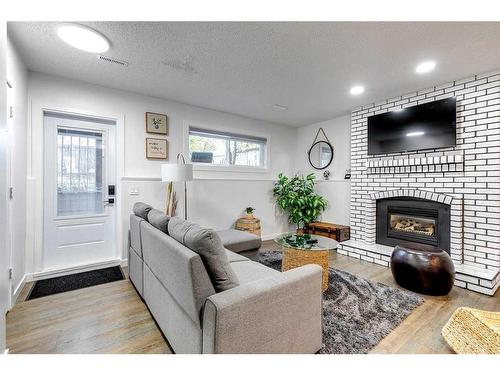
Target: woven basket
x=472 y=331
x=293 y=258
x=251 y=225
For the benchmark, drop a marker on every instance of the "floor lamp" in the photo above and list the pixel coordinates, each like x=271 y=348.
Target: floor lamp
x=179 y=172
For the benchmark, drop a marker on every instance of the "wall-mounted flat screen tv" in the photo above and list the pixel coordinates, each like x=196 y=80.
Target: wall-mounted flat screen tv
x=426 y=126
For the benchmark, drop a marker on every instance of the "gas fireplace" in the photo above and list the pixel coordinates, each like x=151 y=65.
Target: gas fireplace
x=413 y=220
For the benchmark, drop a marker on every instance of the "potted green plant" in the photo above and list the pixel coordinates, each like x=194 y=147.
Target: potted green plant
x=297 y=197
x=249 y=212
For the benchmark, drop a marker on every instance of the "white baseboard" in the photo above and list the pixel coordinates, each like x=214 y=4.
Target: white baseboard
x=18 y=289
x=73 y=269
x=124 y=263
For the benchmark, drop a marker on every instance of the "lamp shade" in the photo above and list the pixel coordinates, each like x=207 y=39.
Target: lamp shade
x=176 y=172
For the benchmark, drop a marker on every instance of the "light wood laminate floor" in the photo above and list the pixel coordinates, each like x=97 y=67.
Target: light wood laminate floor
x=108 y=318
x=111 y=318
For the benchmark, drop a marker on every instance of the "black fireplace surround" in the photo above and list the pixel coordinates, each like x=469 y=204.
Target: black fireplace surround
x=416 y=220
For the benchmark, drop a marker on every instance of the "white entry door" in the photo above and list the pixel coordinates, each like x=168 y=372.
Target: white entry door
x=79 y=213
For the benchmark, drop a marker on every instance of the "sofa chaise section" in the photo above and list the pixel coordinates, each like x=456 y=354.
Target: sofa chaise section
x=238 y=241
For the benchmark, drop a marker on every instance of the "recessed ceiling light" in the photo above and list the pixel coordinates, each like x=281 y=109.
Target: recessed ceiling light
x=414 y=134
x=357 y=90
x=425 y=67
x=83 y=38
x=279 y=106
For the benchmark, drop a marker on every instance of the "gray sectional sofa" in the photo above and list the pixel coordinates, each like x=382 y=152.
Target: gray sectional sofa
x=220 y=301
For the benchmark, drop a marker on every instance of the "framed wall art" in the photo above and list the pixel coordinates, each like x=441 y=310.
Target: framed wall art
x=156 y=123
x=156 y=148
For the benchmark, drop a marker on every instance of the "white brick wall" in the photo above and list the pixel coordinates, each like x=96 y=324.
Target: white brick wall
x=468 y=174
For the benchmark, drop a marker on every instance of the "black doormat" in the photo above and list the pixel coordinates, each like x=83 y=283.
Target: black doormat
x=81 y=280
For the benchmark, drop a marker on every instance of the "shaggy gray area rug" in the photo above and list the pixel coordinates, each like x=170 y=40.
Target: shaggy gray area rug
x=357 y=313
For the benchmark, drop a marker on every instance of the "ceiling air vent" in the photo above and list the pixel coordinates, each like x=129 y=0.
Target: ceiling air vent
x=112 y=60
x=182 y=65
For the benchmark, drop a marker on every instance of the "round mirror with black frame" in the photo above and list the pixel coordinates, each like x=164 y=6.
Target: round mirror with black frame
x=320 y=155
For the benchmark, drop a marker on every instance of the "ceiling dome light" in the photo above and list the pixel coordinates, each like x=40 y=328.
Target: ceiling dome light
x=425 y=67
x=83 y=38
x=357 y=90
x=415 y=134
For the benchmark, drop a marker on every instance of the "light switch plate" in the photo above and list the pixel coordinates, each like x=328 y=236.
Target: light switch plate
x=133 y=190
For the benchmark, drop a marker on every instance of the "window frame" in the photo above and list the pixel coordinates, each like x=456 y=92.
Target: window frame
x=227 y=168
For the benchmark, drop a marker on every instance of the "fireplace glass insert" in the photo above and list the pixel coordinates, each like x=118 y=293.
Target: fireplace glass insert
x=414 y=225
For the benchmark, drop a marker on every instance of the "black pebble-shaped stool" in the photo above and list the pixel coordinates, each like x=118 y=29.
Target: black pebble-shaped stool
x=423 y=269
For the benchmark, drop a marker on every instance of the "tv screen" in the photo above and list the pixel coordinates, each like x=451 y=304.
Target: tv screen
x=425 y=126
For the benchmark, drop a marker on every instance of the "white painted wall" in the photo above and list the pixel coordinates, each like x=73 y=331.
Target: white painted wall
x=18 y=96
x=337 y=192
x=336 y=189
x=4 y=251
x=338 y=131
x=230 y=192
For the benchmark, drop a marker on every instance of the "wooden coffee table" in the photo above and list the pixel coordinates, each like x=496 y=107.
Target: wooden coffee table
x=299 y=250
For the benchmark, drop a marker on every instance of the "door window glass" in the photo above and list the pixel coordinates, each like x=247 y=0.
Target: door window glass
x=79 y=172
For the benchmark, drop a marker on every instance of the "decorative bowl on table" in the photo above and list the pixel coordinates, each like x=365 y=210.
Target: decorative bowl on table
x=302 y=241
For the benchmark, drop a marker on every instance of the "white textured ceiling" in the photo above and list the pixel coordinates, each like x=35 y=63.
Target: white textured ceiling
x=244 y=68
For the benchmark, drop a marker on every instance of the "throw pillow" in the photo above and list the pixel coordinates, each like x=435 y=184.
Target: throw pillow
x=158 y=220
x=142 y=209
x=208 y=245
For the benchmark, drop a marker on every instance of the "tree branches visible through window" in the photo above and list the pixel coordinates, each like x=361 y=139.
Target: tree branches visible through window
x=222 y=148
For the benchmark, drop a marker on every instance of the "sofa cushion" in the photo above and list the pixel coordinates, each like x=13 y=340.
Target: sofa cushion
x=252 y=271
x=237 y=240
x=158 y=220
x=142 y=209
x=135 y=234
x=135 y=270
x=208 y=245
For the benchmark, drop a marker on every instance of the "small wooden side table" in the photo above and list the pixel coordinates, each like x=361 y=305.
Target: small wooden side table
x=248 y=224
